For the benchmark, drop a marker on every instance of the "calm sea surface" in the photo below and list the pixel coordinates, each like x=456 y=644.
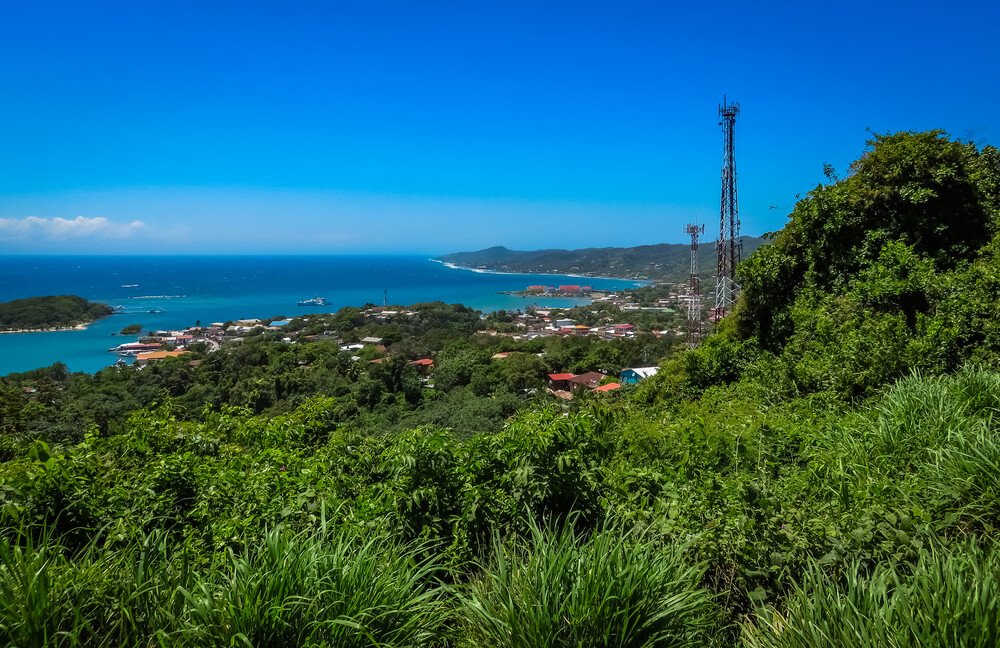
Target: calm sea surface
x=218 y=288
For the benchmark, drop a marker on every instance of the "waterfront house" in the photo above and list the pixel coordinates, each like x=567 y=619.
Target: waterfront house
x=151 y=356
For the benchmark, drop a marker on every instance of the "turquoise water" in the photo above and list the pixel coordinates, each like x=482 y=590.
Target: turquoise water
x=219 y=288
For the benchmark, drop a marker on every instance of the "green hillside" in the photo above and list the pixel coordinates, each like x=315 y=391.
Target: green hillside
x=664 y=261
x=823 y=471
x=62 y=311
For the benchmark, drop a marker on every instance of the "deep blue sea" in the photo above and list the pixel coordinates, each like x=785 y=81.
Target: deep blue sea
x=218 y=288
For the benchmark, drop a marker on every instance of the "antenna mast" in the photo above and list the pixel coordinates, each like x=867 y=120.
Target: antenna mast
x=694 y=288
x=728 y=247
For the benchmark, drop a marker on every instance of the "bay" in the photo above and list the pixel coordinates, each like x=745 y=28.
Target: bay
x=190 y=289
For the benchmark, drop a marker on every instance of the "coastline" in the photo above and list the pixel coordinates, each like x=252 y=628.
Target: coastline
x=55 y=329
x=223 y=289
x=455 y=266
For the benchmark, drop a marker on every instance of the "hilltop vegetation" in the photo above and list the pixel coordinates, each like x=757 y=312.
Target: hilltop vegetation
x=823 y=471
x=669 y=262
x=62 y=311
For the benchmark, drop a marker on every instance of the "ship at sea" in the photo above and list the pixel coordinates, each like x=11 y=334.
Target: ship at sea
x=314 y=301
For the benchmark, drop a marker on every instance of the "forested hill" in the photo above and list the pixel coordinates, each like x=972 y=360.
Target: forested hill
x=57 y=311
x=663 y=261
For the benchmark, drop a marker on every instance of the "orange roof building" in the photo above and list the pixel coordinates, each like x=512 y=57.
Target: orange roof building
x=149 y=356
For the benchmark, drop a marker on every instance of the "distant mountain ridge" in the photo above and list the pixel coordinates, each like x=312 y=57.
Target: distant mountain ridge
x=663 y=261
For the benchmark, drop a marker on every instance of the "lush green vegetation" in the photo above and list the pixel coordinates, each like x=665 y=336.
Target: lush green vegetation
x=131 y=329
x=823 y=471
x=665 y=261
x=62 y=311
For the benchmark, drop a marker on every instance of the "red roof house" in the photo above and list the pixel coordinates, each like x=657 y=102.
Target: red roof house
x=588 y=380
x=560 y=381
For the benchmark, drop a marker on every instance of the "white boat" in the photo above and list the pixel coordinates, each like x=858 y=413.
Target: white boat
x=315 y=301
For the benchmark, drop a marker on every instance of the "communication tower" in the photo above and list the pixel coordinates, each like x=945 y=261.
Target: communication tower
x=694 y=288
x=728 y=247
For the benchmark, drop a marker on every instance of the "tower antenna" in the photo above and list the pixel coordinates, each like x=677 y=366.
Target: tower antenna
x=729 y=246
x=694 y=288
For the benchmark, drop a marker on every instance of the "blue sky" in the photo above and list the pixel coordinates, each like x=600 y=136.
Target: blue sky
x=374 y=126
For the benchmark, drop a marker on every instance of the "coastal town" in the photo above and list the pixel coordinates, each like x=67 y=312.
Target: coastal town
x=604 y=315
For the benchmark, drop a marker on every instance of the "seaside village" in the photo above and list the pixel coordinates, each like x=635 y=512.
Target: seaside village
x=533 y=322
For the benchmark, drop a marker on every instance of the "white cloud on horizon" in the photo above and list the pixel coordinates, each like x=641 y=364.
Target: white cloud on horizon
x=236 y=220
x=60 y=229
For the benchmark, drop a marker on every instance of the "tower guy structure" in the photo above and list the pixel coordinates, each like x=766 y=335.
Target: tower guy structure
x=694 y=288
x=728 y=247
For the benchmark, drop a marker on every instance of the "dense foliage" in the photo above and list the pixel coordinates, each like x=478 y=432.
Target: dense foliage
x=823 y=471
x=892 y=269
x=61 y=311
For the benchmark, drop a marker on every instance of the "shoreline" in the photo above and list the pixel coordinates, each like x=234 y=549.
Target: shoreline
x=454 y=266
x=57 y=329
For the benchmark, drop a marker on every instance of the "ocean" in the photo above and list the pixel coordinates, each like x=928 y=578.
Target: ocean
x=189 y=289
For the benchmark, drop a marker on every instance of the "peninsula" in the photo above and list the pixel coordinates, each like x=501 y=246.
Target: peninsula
x=50 y=313
x=662 y=262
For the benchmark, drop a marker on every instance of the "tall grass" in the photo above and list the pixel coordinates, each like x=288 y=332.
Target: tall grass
x=31 y=612
x=950 y=599
x=932 y=440
x=100 y=597
x=299 y=590
x=918 y=415
x=321 y=588
x=614 y=589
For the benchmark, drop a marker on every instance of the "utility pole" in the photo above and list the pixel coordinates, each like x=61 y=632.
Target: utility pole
x=694 y=288
x=728 y=247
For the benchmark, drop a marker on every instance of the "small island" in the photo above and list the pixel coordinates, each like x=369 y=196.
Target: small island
x=50 y=313
x=131 y=329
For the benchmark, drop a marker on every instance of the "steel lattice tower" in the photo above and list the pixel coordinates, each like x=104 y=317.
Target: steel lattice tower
x=728 y=247
x=694 y=288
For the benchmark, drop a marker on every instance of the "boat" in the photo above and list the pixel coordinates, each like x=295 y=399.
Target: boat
x=315 y=301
